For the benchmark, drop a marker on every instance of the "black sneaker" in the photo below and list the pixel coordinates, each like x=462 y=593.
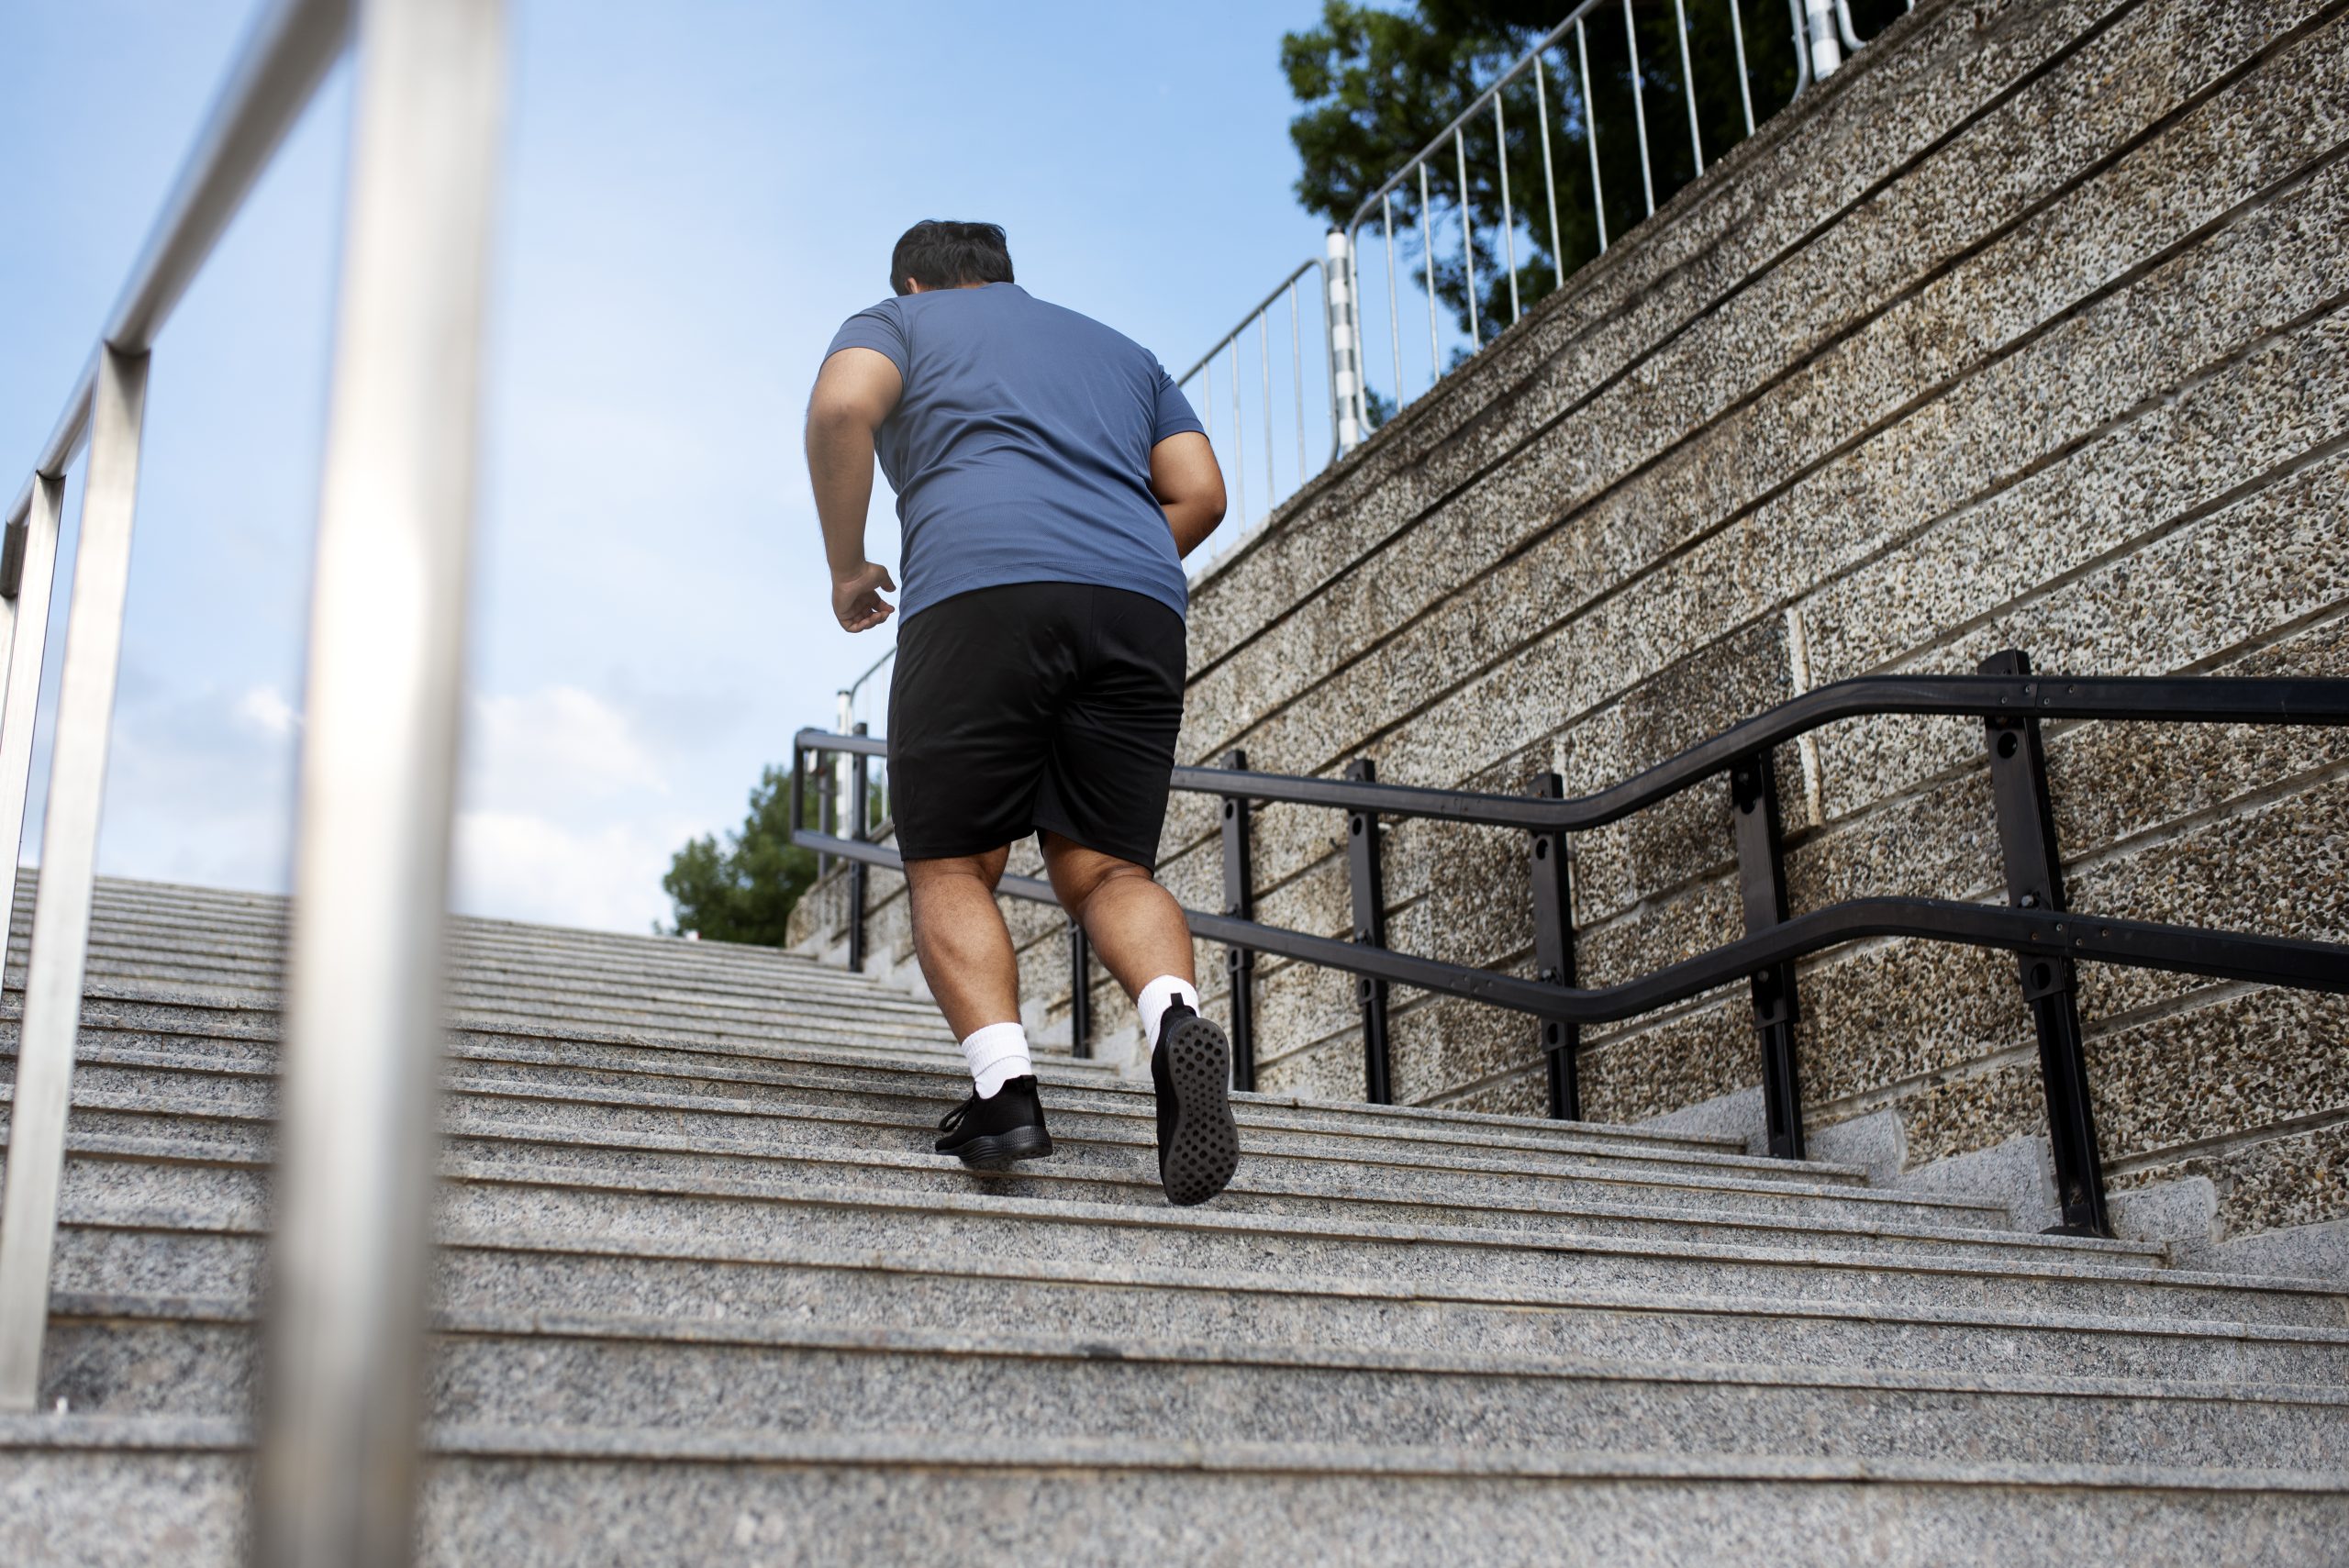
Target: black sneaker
x=1198 y=1147
x=988 y=1135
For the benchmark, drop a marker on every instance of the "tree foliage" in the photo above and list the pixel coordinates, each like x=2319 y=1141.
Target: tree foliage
x=743 y=889
x=1376 y=86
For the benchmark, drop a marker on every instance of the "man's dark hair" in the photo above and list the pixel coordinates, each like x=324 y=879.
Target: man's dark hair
x=939 y=254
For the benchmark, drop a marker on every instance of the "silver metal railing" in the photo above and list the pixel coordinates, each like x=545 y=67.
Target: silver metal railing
x=1229 y=356
x=1437 y=179
x=1822 y=32
x=362 y=1028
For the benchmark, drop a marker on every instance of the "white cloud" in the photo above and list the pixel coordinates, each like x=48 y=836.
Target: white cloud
x=523 y=866
x=558 y=741
x=564 y=815
x=264 y=711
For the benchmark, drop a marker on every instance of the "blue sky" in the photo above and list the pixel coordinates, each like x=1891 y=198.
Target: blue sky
x=696 y=193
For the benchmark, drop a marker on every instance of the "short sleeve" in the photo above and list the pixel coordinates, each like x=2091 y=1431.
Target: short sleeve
x=1174 y=414
x=882 y=329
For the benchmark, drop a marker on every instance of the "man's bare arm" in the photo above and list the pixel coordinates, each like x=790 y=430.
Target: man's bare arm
x=1184 y=477
x=854 y=391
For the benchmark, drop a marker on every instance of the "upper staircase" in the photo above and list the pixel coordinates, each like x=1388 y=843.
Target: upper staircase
x=706 y=1295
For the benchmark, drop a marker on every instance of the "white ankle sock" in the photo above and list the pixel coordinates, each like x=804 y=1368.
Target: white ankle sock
x=1156 y=997
x=997 y=1054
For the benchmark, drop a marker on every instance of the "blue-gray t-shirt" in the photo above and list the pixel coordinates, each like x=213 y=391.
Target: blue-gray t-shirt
x=1021 y=446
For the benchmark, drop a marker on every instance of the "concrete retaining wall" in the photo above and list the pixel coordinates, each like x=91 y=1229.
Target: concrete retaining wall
x=2031 y=329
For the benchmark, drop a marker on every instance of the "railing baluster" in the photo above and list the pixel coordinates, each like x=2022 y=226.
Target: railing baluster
x=1744 y=91
x=1689 y=84
x=1296 y=373
x=859 y=875
x=1753 y=793
x=1240 y=901
x=1553 y=954
x=36 y=574
x=2036 y=881
x=1467 y=238
x=1239 y=438
x=1590 y=134
x=1549 y=174
x=337 y=1469
x=1080 y=993
x=1508 y=220
x=1394 y=306
x=1265 y=363
x=1369 y=884
x=1639 y=107
x=1427 y=250
x=61 y=934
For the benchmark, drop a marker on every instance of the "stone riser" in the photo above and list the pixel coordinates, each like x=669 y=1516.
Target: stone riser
x=1121 y=1304
x=497 y=1500
x=555 y=1203
x=915 y=1091
x=1099 y=1156
x=747 y=1381
x=233 y=1162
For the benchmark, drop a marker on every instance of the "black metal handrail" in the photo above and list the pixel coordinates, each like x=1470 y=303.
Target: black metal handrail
x=2048 y=939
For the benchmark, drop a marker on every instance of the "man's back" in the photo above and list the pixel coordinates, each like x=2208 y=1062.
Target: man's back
x=1020 y=446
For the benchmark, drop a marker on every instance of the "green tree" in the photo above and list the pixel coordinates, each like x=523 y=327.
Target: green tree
x=743 y=889
x=1378 y=85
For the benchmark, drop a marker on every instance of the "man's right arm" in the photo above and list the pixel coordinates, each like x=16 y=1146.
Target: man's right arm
x=1188 y=483
x=855 y=391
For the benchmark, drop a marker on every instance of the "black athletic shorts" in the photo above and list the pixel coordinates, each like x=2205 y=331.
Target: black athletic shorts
x=1030 y=707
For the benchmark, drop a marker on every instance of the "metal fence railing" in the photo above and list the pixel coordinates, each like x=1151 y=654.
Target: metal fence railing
x=1254 y=476
x=2033 y=921
x=362 y=1029
x=1467 y=200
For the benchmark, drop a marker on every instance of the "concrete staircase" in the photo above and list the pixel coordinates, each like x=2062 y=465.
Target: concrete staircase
x=706 y=1297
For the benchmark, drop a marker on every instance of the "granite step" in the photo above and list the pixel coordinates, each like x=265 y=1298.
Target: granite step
x=207 y=1253
x=601 y=1370
x=619 y=1154
x=1121 y=1141
x=103 y=1492
x=917 y=1087
x=555 y=1201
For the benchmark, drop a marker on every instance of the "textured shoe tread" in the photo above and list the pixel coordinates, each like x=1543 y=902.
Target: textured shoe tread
x=994 y=1152
x=1203 y=1151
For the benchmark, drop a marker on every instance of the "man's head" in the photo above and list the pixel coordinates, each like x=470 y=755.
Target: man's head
x=938 y=254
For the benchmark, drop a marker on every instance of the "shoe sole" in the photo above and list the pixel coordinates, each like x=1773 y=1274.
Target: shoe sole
x=998 y=1151
x=1203 y=1148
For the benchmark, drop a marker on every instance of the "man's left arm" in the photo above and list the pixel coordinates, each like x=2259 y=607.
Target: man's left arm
x=855 y=391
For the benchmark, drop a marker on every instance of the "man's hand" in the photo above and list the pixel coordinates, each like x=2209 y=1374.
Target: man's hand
x=856 y=598
x=854 y=393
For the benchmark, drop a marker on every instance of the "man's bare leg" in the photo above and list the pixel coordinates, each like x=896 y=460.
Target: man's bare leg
x=965 y=951
x=1134 y=925
x=1138 y=930
x=964 y=945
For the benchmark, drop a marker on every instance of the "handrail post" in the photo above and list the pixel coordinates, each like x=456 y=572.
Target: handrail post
x=1553 y=954
x=1080 y=991
x=1345 y=341
x=1369 y=884
x=2036 y=881
x=797 y=812
x=1240 y=902
x=338 y=1470
x=858 y=874
x=1754 y=792
x=61 y=935
x=33 y=571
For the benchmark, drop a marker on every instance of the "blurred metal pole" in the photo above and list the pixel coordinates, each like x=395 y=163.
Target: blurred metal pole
x=68 y=853
x=358 y=1136
x=28 y=641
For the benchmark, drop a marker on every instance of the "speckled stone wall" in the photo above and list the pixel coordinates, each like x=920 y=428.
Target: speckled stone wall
x=2031 y=329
